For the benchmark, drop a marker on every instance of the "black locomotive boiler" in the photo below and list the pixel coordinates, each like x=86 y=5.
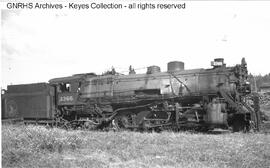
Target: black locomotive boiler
x=200 y=99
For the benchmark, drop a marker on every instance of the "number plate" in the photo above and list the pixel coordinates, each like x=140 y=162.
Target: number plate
x=66 y=99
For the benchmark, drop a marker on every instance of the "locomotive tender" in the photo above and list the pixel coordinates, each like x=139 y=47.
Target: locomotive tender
x=200 y=99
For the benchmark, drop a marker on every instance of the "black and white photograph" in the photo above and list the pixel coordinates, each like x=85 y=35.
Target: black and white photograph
x=136 y=83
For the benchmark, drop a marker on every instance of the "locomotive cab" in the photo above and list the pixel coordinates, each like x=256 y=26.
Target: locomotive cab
x=67 y=91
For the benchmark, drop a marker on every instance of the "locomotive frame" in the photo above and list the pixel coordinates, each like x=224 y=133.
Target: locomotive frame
x=200 y=99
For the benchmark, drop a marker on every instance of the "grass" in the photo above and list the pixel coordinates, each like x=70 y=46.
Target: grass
x=37 y=146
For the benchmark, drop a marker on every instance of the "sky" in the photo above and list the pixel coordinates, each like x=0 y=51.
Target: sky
x=38 y=45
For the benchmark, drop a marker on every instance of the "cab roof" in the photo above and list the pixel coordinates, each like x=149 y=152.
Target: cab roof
x=70 y=79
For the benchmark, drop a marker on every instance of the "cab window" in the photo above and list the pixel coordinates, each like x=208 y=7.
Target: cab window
x=64 y=87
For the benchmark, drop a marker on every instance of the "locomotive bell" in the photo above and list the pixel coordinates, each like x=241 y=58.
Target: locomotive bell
x=175 y=66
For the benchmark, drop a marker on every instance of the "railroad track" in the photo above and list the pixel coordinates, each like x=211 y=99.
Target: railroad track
x=265 y=126
x=12 y=121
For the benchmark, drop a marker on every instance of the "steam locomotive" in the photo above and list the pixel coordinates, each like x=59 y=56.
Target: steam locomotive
x=200 y=99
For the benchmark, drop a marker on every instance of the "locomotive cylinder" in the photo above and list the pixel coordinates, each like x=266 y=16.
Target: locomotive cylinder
x=216 y=113
x=175 y=66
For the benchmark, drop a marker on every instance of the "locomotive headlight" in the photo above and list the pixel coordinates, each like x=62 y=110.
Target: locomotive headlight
x=247 y=86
